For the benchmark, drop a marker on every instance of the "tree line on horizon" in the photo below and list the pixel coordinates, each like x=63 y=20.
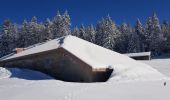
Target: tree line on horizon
x=152 y=36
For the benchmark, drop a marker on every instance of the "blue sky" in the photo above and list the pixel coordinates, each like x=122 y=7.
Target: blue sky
x=84 y=11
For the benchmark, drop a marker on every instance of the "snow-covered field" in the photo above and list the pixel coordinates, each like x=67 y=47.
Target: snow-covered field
x=162 y=64
x=17 y=84
x=18 y=89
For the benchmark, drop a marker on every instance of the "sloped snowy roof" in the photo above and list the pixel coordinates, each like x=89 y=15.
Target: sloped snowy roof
x=138 y=54
x=94 y=55
x=90 y=53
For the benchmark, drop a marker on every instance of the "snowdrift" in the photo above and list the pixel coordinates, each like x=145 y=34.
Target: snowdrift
x=96 y=56
x=4 y=73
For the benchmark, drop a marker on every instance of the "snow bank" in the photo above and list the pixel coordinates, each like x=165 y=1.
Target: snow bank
x=4 y=73
x=97 y=57
x=135 y=73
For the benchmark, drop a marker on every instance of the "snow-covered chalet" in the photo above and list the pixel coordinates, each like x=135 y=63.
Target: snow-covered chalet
x=73 y=59
x=67 y=58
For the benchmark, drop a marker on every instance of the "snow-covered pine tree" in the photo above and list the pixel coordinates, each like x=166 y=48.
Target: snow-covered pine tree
x=148 y=30
x=153 y=35
x=56 y=27
x=66 y=23
x=165 y=28
x=61 y=25
x=134 y=43
x=34 y=35
x=107 y=33
x=9 y=33
x=87 y=33
x=31 y=33
x=166 y=34
x=158 y=39
x=82 y=32
x=40 y=30
x=126 y=31
x=75 y=32
x=139 y=30
x=48 y=30
x=99 y=32
x=23 y=35
x=0 y=42
x=91 y=32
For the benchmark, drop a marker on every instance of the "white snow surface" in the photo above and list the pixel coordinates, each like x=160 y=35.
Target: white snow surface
x=4 y=73
x=138 y=54
x=31 y=85
x=98 y=57
x=161 y=64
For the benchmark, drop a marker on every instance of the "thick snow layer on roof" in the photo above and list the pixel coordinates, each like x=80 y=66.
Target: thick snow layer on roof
x=50 y=45
x=92 y=54
x=97 y=57
x=138 y=54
